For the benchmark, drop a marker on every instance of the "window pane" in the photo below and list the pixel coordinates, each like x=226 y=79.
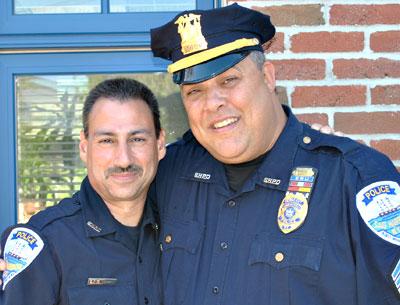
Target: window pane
x=125 y=6
x=49 y=121
x=56 y=6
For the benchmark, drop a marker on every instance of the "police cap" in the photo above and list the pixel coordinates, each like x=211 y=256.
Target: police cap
x=204 y=43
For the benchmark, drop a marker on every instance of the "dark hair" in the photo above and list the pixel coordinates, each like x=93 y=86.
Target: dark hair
x=121 y=89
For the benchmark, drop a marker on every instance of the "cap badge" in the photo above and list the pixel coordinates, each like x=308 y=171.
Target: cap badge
x=189 y=28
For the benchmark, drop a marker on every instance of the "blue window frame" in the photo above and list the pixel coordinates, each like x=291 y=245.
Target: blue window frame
x=12 y=66
x=21 y=36
x=80 y=30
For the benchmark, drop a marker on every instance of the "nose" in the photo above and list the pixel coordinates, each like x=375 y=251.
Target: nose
x=215 y=99
x=123 y=155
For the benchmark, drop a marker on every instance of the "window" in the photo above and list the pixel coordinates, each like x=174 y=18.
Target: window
x=52 y=53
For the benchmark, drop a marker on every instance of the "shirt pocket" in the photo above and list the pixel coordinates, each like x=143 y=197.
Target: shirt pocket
x=102 y=295
x=288 y=266
x=180 y=242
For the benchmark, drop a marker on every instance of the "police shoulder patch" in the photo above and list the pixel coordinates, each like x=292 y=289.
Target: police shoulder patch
x=22 y=247
x=379 y=207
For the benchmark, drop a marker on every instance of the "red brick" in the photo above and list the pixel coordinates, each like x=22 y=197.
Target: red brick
x=391 y=148
x=386 y=95
x=315 y=96
x=366 y=68
x=328 y=42
x=365 y=14
x=311 y=118
x=385 y=41
x=299 y=69
x=287 y=15
x=367 y=122
x=277 y=44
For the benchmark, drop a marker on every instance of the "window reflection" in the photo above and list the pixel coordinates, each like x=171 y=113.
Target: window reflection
x=56 y=6
x=124 y=6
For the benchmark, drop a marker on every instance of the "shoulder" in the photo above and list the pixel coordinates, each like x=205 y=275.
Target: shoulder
x=183 y=152
x=67 y=207
x=369 y=164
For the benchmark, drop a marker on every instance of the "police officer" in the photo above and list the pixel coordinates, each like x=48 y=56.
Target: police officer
x=256 y=207
x=101 y=245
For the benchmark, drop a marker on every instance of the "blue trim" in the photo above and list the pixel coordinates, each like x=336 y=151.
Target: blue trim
x=39 y=64
x=97 y=23
x=7 y=152
x=80 y=30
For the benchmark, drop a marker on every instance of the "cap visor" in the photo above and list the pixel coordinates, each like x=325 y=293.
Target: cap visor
x=208 y=69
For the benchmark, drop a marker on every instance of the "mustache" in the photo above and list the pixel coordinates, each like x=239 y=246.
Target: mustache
x=132 y=168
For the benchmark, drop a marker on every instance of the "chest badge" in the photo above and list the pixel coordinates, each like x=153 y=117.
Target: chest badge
x=294 y=206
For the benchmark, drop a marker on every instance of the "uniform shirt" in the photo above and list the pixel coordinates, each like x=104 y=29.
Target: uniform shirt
x=87 y=257
x=221 y=247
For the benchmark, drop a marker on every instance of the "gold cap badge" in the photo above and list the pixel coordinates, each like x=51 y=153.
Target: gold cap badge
x=189 y=28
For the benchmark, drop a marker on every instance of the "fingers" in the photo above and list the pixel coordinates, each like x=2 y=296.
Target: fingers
x=327 y=129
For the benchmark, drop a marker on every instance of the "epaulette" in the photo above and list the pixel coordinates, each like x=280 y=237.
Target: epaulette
x=65 y=207
x=366 y=160
x=318 y=140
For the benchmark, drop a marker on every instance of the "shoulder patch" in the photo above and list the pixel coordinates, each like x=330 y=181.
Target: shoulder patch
x=22 y=247
x=379 y=207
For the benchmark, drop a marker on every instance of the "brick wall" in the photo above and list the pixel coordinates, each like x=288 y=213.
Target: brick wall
x=338 y=63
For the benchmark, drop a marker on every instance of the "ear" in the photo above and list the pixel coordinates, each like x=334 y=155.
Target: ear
x=161 y=145
x=269 y=75
x=83 y=144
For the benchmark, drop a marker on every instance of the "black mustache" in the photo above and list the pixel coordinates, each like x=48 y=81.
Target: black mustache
x=132 y=168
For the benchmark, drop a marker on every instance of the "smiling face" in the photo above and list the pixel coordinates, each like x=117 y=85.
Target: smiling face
x=121 y=151
x=235 y=115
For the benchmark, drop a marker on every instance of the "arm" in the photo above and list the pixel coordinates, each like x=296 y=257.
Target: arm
x=32 y=276
x=374 y=206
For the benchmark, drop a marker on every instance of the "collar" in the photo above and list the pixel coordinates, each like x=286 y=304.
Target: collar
x=98 y=221
x=277 y=166
x=274 y=172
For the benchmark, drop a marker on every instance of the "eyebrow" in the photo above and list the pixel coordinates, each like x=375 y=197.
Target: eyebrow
x=100 y=133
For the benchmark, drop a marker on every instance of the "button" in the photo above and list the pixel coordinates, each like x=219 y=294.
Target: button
x=279 y=257
x=232 y=203
x=224 y=245
x=140 y=259
x=168 y=238
x=106 y=303
x=146 y=300
x=215 y=290
x=155 y=226
x=161 y=247
x=306 y=140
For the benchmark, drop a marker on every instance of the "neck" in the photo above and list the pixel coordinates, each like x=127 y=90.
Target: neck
x=127 y=213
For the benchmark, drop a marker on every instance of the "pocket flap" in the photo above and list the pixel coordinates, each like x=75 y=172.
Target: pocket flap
x=281 y=252
x=181 y=234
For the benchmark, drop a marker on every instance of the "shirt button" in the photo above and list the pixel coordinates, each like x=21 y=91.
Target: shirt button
x=140 y=259
x=231 y=203
x=279 y=257
x=306 y=140
x=146 y=300
x=215 y=290
x=224 y=245
x=168 y=238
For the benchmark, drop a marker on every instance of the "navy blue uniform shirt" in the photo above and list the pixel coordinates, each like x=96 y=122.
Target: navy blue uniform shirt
x=87 y=257
x=221 y=247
